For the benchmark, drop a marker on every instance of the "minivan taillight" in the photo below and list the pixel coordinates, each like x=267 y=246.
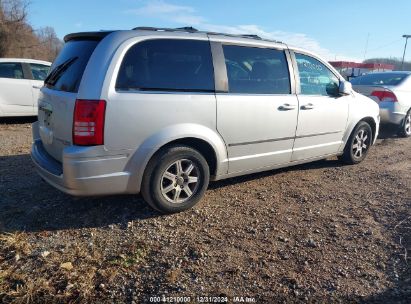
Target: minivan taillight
x=385 y=95
x=88 y=122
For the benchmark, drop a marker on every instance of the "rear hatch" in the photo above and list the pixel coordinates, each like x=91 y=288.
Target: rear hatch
x=58 y=96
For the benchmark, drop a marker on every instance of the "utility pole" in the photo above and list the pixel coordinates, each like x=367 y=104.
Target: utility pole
x=405 y=48
x=366 y=45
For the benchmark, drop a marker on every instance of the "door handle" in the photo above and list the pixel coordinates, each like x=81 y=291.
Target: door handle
x=307 y=106
x=36 y=87
x=286 y=107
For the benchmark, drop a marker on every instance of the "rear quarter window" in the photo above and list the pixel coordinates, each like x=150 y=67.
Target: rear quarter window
x=167 y=65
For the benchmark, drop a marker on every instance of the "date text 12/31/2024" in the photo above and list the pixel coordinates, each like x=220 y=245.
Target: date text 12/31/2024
x=202 y=299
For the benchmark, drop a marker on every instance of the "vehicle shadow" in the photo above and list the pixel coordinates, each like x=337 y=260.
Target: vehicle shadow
x=29 y=204
x=17 y=120
x=319 y=164
x=388 y=131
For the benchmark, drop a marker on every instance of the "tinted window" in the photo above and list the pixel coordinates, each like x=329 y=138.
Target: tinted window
x=315 y=77
x=11 y=70
x=167 y=64
x=39 y=71
x=379 y=79
x=256 y=70
x=69 y=66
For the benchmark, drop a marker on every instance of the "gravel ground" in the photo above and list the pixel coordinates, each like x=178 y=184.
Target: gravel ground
x=320 y=232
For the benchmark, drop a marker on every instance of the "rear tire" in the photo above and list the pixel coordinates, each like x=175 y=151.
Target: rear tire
x=405 y=129
x=358 y=144
x=175 y=179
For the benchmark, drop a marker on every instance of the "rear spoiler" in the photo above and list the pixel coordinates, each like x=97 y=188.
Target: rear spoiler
x=87 y=36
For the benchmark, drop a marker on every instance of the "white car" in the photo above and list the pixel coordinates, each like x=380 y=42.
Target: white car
x=20 y=84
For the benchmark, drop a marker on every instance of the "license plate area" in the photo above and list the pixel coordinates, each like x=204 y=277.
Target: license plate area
x=45 y=122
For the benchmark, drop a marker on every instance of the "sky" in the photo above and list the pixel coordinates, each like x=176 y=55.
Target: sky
x=337 y=30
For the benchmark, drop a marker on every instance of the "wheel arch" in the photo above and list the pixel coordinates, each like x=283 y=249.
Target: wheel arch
x=368 y=119
x=205 y=140
x=202 y=146
x=372 y=124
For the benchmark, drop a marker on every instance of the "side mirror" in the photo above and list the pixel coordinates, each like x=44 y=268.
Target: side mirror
x=345 y=88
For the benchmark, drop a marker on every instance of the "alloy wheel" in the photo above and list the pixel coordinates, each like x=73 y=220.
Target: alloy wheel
x=180 y=181
x=361 y=143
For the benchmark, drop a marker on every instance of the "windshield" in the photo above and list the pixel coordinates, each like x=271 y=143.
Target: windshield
x=391 y=79
x=69 y=66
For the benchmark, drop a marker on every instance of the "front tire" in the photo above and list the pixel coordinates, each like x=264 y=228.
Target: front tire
x=175 y=179
x=358 y=144
x=405 y=129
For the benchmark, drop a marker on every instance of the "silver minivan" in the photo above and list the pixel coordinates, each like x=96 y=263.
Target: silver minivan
x=162 y=111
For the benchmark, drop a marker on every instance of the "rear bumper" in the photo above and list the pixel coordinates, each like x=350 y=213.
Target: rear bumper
x=82 y=176
x=391 y=113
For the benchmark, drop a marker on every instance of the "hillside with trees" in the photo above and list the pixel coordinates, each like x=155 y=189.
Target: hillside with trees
x=18 y=39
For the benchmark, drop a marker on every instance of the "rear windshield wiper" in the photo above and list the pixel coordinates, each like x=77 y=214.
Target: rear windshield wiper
x=56 y=73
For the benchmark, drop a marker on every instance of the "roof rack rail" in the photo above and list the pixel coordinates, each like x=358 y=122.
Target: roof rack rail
x=251 y=36
x=187 y=29
x=167 y=29
x=190 y=29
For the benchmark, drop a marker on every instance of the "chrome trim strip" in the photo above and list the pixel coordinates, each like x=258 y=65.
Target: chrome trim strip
x=259 y=141
x=279 y=139
x=318 y=146
x=319 y=134
x=258 y=155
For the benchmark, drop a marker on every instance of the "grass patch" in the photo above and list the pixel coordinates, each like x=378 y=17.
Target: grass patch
x=29 y=276
x=15 y=243
x=129 y=260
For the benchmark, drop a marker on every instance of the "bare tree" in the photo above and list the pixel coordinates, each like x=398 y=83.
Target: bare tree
x=3 y=32
x=50 y=43
x=15 y=11
x=14 y=30
x=17 y=37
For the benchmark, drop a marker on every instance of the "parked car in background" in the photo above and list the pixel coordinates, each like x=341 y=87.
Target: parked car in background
x=163 y=111
x=392 y=92
x=20 y=84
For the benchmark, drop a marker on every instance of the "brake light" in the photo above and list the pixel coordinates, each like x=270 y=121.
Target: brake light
x=385 y=96
x=88 y=122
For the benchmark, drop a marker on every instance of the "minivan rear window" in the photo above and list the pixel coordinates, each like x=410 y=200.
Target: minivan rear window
x=68 y=68
x=167 y=65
